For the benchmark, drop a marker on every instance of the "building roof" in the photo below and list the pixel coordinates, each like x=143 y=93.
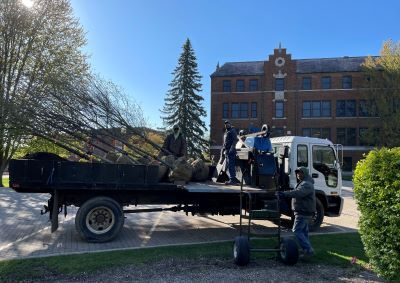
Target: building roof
x=255 y=68
x=330 y=65
x=319 y=65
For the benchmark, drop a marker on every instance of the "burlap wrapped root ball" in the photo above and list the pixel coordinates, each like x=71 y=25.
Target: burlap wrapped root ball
x=182 y=171
x=163 y=169
x=200 y=170
x=111 y=156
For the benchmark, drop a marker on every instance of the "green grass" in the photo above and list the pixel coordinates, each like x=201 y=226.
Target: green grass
x=336 y=250
x=6 y=182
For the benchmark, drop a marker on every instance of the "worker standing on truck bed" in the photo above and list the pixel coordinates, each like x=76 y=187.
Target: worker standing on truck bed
x=229 y=148
x=303 y=205
x=175 y=143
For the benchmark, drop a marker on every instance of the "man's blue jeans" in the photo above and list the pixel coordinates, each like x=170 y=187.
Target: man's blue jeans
x=230 y=158
x=300 y=229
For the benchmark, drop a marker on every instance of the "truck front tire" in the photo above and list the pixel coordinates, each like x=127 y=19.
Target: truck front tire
x=99 y=219
x=318 y=217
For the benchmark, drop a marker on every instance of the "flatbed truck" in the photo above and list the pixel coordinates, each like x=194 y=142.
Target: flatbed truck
x=101 y=191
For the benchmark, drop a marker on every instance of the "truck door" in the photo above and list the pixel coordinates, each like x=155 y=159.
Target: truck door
x=324 y=168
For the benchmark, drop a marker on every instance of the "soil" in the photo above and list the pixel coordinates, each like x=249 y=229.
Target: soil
x=221 y=271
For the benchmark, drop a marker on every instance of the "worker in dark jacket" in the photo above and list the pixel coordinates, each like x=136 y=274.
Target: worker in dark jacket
x=175 y=143
x=303 y=205
x=229 y=148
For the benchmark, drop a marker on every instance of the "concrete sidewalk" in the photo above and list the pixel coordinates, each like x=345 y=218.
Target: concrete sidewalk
x=26 y=233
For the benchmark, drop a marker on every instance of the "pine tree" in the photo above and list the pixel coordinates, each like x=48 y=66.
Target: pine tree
x=183 y=103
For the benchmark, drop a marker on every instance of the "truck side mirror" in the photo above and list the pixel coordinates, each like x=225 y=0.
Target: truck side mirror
x=287 y=168
x=284 y=152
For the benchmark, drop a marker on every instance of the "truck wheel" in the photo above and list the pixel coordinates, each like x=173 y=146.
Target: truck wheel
x=99 y=219
x=241 y=250
x=318 y=217
x=289 y=254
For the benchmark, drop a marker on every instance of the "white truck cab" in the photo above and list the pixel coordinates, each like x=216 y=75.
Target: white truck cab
x=321 y=158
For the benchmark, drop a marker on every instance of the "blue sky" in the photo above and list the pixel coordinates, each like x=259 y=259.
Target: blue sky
x=136 y=44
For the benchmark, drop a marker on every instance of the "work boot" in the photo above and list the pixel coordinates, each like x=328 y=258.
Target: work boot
x=233 y=182
x=306 y=255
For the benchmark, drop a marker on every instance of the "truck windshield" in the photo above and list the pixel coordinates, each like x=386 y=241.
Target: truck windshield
x=324 y=161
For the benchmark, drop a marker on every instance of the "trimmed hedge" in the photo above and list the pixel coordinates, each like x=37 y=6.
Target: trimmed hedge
x=377 y=192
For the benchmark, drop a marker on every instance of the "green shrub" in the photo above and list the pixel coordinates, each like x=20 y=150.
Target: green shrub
x=377 y=192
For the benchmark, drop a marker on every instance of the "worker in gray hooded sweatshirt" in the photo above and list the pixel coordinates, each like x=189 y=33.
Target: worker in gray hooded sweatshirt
x=303 y=205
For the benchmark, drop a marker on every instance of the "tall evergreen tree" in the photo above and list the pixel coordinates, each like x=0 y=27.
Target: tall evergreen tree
x=183 y=103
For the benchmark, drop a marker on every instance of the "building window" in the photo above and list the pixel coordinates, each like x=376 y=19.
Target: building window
x=345 y=108
x=346 y=136
x=363 y=136
x=306 y=108
x=253 y=129
x=322 y=133
x=325 y=108
x=225 y=110
x=347 y=164
x=254 y=110
x=347 y=82
x=226 y=85
x=368 y=137
x=302 y=156
x=277 y=132
x=235 y=110
x=279 y=84
x=362 y=108
x=306 y=132
x=367 y=108
x=326 y=82
x=253 y=85
x=279 y=109
x=306 y=83
x=244 y=110
x=316 y=108
x=239 y=85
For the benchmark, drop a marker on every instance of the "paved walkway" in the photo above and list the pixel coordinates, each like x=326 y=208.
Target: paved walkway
x=26 y=233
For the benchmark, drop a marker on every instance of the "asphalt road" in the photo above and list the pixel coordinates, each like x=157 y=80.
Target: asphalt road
x=25 y=233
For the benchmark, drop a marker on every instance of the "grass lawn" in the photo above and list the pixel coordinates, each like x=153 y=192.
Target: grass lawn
x=336 y=250
x=5 y=182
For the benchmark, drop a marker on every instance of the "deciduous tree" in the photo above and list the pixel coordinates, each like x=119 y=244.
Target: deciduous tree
x=40 y=46
x=383 y=77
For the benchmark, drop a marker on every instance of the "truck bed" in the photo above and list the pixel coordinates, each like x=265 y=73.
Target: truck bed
x=212 y=187
x=37 y=176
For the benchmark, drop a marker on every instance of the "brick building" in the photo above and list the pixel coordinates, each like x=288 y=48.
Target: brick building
x=306 y=97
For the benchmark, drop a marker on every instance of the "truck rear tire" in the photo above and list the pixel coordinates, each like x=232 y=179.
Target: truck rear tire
x=289 y=253
x=99 y=219
x=318 y=217
x=241 y=250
